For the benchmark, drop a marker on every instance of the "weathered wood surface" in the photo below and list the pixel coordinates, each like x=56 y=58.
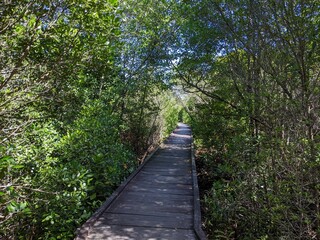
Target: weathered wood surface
x=157 y=202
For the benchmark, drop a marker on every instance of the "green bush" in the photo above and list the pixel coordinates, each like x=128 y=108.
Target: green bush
x=170 y=113
x=94 y=142
x=254 y=187
x=52 y=183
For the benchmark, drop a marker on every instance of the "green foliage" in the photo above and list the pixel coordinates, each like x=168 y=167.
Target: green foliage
x=38 y=190
x=76 y=111
x=257 y=143
x=94 y=142
x=170 y=113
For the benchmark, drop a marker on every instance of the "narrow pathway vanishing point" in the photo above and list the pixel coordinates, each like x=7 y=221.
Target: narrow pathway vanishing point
x=160 y=200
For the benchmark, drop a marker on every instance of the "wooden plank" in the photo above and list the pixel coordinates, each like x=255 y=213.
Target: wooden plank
x=159 y=185
x=156 y=201
x=174 y=221
x=165 y=172
x=177 y=151
x=139 y=211
x=151 y=207
x=164 y=179
x=156 y=193
x=162 y=189
x=166 y=176
x=131 y=193
x=173 y=153
x=169 y=172
x=161 y=169
x=115 y=232
x=161 y=199
x=168 y=166
x=172 y=159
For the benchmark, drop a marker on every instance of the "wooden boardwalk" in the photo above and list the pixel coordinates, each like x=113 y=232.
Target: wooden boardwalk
x=158 y=201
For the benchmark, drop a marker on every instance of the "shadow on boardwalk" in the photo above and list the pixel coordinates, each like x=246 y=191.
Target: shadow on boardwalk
x=159 y=201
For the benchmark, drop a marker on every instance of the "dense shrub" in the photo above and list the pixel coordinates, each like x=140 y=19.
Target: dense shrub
x=254 y=187
x=75 y=116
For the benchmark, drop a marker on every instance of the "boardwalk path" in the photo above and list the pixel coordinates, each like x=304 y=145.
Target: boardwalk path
x=159 y=201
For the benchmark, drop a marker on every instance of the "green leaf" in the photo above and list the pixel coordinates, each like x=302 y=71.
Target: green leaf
x=93 y=196
x=6 y=158
x=18 y=166
x=32 y=21
x=23 y=205
x=12 y=207
x=27 y=211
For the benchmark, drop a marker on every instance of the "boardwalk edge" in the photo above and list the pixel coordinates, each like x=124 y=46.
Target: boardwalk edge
x=196 y=204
